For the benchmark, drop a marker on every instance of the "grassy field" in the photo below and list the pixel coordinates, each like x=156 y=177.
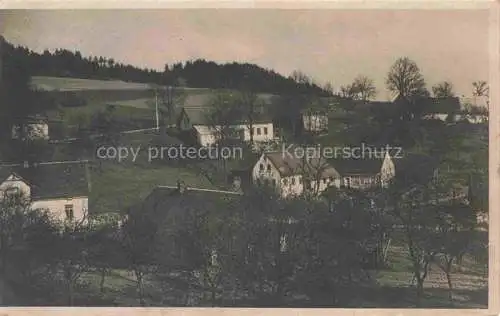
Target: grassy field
x=137 y=103
x=77 y=84
x=116 y=185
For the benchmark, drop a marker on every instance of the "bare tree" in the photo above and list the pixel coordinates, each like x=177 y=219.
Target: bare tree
x=348 y=91
x=328 y=88
x=404 y=78
x=443 y=90
x=300 y=77
x=480 y=88
x=364 y=88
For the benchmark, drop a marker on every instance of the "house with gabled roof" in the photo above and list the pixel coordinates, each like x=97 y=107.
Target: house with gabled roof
x=34 y=126
x=60 y=188
x=291 y=175
x=193 y=116
x=381 y=169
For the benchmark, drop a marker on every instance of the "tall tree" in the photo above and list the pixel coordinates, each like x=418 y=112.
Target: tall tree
x=404 y=78
x=300 y=77
x=480 y=88
x=364 y=88
x=443 y=90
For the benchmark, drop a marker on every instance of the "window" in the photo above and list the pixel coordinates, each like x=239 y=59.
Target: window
x=68 y=209
x=330 y=179
x=268 y=167
x=261 y=167
x=285 y=181
x=10 y=191
x=258 y=130
x=265 y=130
x=347 y=182
x=324 y=181
x=274 y=182
x=293 y=180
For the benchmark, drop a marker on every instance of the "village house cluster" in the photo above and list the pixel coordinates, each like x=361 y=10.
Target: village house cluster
x=63 y=187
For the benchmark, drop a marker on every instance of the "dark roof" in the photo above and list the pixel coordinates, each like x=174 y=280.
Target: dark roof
x=434 y=105
x=416 y=168
x=172 y=201
x=439 y=105
x=198 y=115
x=362 y=166
x=367 y=164
x=53 y=180
x=289 y=164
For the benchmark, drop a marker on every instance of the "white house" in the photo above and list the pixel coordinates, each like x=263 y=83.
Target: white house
x=34 y=127
x=315 y=121
x=369 y=170
x=291 y=175
x=61 y=189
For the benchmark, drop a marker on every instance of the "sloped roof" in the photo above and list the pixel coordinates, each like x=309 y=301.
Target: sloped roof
x=200 y=116
x=367 y=164
x=415 y=168
x=440 y=105
x=361 y=166
x=53 y=180
x=289 y=164
x=172 y=200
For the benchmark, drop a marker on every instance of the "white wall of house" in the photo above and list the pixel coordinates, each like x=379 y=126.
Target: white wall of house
x=205 y=136
x=474 y=119
x=264 y=171
x=360 y=181
x=35 y=130
x=262 y=132
x=13 y=183
x=436 y=116
x=291 y=186
x=57 y=207
x=387 y=171
x=315 y=122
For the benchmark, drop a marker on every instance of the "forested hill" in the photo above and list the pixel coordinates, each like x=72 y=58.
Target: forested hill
x=197 y=74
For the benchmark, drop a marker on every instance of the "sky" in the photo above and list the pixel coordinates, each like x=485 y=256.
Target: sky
x=330 y=45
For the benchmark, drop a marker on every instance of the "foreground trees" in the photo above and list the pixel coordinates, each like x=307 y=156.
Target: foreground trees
x=253 y=249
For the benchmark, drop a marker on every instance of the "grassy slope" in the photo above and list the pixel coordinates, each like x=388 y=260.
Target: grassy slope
x=116 y=185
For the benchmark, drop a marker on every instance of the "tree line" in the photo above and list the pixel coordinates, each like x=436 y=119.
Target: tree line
x=197 y=73
x=250 y=250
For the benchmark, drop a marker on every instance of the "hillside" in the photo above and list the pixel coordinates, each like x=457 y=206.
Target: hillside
x=193 y=73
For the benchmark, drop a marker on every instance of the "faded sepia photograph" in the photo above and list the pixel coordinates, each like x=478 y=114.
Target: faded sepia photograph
x=332 y=158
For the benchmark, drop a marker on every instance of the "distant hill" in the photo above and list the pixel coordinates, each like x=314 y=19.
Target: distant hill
x=195 y=74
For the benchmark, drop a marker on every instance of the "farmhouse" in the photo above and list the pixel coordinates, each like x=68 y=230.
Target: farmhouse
x=291 y=176
x=380 y=170
x=315 y=121
x=60 y=188
x=366 y=172
x=196 y=120
x=36 y=126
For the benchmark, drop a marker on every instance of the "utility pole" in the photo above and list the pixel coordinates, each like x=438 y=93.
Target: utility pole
x=156 y=110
